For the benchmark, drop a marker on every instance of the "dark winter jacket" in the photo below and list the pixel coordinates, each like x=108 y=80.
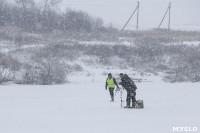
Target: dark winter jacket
x=127 y=83
x=114 y=82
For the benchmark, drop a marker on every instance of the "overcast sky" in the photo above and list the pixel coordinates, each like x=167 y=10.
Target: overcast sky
x=185 y=13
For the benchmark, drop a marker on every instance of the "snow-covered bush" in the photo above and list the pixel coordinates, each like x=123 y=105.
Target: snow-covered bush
x=45 y=73
x=49 y=68
x=7 y=61
x=8 y=67
x=5 y=75
x=52 y=73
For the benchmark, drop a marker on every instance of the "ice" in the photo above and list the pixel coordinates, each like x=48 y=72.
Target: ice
x=84 y=107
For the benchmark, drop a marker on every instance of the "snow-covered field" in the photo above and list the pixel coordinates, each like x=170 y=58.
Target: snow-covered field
x=83 y=106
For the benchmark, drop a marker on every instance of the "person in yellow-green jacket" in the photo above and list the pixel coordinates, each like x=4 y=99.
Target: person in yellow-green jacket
x=110 y=84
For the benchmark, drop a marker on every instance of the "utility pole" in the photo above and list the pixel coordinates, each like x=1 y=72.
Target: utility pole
x=169 y=16
x=136 y=9
x=138 y=14
x=169 y=21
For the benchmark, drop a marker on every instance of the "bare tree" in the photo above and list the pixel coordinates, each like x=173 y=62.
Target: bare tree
x=47 y=4
x=27 y=10
x=50 y=69
x=2 y=12
x=25 y=4
x=31 y=17
x=19 y=40
x=4 y=75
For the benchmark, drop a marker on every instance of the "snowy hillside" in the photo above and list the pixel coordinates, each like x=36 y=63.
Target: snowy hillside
x=145 y=52
x=84 y=106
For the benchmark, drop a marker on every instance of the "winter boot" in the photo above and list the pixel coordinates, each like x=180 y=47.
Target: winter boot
x=127 y=106
x=133 y=105
x=127 y=103
x=112 y=99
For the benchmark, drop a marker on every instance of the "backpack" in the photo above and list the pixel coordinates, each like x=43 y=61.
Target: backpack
x=128 y=79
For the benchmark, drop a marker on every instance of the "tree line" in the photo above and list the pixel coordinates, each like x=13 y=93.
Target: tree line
x=30 y=16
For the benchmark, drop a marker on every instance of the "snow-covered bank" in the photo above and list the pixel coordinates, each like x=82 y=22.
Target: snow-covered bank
x=126 y=43
x=83 y=106
x=187 y=43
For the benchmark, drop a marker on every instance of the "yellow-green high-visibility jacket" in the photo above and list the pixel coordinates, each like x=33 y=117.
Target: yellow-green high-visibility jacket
x=110 y=83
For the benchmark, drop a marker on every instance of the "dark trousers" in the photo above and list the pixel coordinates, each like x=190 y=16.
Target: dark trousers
x=111 y=90
x=131 y=97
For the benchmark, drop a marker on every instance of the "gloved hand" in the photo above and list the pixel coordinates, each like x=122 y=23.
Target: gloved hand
x=117 y=89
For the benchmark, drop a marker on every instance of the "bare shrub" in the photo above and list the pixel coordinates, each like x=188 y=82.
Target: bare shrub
x=50 y=69
x=4 y=75
x=10 y=63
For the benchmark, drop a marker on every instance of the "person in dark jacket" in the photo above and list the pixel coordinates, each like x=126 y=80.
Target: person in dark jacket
x=110 y=83
x=130 y=87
